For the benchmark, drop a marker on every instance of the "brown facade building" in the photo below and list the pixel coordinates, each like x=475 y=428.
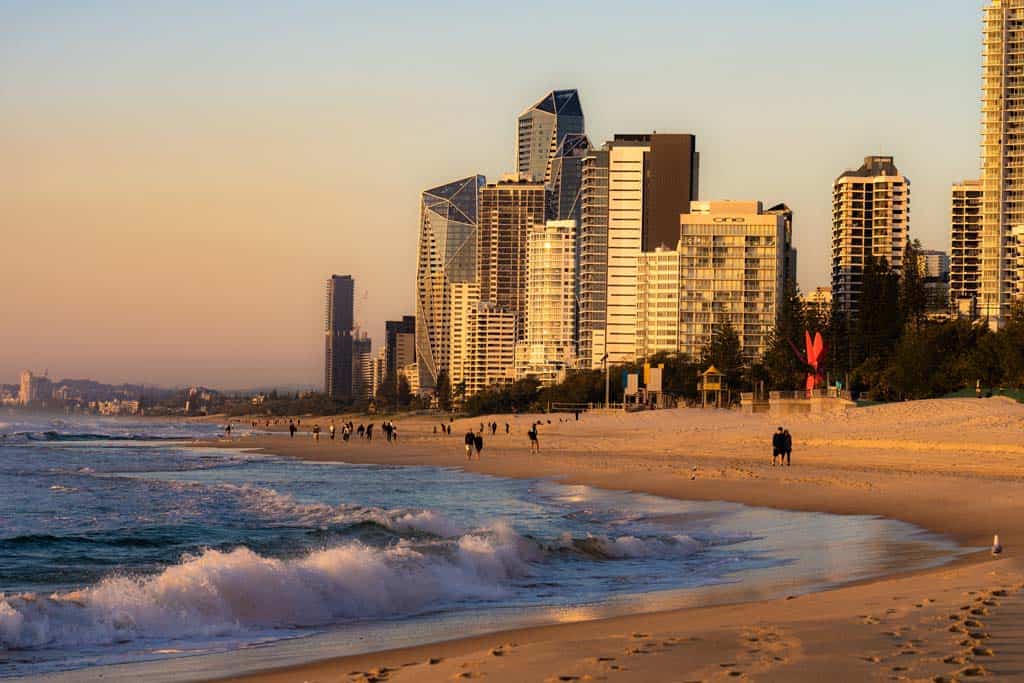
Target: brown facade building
x=671 y=172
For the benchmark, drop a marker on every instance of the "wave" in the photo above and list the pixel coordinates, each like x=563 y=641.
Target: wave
x=283 y=508
x=230 y=593
x=630 y=547
x=63 y=436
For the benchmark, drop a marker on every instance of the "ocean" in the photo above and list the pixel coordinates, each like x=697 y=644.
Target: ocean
x=124 y=542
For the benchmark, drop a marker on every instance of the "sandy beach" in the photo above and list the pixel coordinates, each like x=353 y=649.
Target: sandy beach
x=953 y=467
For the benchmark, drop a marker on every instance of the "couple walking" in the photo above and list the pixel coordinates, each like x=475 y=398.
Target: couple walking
x=782 y=446
x=474 y=442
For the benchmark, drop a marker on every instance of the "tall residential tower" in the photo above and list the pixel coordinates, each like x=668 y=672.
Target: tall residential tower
x=1002 y=156
x=338 y=331
x=870 y=219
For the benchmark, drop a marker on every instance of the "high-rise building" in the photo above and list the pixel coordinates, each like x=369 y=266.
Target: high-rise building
x=1002 y=155
x=463 y=298
x=492 y=347
x=509 y=210
x=870 y=219
x=338 y=331
x=626 y=172
x=791 y=253
x=965 y=255
x=447 y=254
x=593 y=258
x=362 y=367
x=820 y=300
x=34 y=388
x=658 y=297
x=671 y=172
x=550 y=345
x=933 y=268
x=399 y=344
x=732 y=270
x=633 y=191
x=541 y=130
x=565 y=174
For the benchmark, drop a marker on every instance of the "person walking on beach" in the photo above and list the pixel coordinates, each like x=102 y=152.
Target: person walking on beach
x=316 y=432
x=332 y=430
x=369 y=432
x=507 y=428
x=361 y=431
x=534 y=441
x=227 y=431
x=777 y=445
x=787 y=446
x=478 y=444
x=470 y=440
x=292 y=428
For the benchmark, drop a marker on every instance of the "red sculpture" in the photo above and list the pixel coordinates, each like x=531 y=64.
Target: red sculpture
x=815 y=356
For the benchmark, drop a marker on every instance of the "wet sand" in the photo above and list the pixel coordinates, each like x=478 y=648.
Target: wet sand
x=953 y=467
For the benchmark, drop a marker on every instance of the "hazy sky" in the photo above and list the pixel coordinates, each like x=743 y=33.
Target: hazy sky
x=178 y=179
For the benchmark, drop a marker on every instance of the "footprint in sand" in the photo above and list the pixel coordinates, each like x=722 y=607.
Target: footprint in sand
x=973 y=671
x=982 y=652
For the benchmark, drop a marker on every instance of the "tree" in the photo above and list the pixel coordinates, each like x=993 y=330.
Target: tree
x=404 y=397
x=725 y=353
x=444 y=391
x=913 y=295
x=782 y=367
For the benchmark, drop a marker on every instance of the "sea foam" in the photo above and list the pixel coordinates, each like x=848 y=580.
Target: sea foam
x=229 y=593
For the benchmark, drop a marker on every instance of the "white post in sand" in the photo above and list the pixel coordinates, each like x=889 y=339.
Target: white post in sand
x=997 y=547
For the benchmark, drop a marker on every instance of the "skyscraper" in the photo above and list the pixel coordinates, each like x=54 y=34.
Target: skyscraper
x=671 y=177
x=550 y=345
x=362 y=367
x=732 y=270
x=509 y=210
x=1002 y=156
x=791 y=253
x=399 y=344
x=593 y=258
x=870 y=219
x=633 y=191
x=967 y=199
x=564 y=176
x=447 y=254
x=541 y=129
x=338 y=328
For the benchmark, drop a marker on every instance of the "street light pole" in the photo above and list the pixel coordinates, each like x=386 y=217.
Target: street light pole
x=607 y=382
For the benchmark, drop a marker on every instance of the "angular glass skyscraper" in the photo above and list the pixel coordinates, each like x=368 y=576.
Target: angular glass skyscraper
x=564 y=174
x=338 y=323
x=447 y=255
x=541 y=130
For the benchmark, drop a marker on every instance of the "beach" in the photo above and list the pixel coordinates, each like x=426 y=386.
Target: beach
x=952 y=467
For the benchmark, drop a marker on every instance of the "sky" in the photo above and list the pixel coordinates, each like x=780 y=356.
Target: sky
x=179 y=178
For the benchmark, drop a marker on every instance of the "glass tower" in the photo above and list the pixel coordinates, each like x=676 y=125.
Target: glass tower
x=447 y=255
x=541 y=130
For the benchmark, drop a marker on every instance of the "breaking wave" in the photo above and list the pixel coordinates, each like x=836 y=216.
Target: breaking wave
x=229 y=593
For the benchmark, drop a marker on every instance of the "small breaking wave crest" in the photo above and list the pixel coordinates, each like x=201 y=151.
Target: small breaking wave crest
x=217 y=593
x=283 y=508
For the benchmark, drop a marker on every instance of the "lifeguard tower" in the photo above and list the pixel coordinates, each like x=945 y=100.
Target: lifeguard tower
x=712 y=388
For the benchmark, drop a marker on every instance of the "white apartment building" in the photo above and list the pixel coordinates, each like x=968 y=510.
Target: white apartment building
x=463 y=298
x=732 y=270
x=1002 y=155
x=870 y=219
x=550 y=345
x=491 y=342
x=658 y=296
x=625 y=242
